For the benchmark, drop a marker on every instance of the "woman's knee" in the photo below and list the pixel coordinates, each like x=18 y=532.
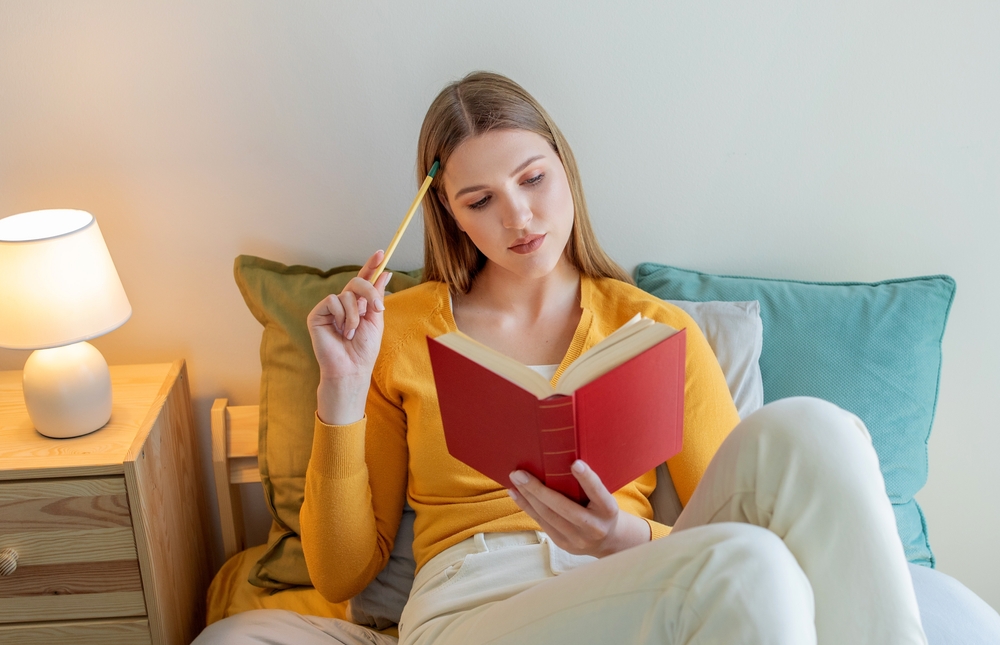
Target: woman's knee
x=798 y=414
x=809 y=429
x=756 y=552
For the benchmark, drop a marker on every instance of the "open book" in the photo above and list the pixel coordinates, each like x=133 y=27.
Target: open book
x=619 y=407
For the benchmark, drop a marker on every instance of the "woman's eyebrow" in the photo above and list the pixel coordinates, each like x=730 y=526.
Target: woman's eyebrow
x=472 y=189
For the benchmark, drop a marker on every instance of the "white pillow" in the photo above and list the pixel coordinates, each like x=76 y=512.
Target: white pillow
x=735 y=333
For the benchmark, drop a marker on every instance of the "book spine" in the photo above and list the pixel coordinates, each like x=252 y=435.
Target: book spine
x=557 y=433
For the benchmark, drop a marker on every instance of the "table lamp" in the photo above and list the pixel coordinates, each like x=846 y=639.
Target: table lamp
x=58 y=289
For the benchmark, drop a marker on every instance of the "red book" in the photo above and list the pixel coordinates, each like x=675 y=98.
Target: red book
x=619 y=407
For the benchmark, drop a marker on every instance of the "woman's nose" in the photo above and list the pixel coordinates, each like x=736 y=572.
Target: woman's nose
x=517 y=214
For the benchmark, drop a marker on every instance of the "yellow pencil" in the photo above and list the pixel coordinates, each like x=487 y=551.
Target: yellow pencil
x=406 y=221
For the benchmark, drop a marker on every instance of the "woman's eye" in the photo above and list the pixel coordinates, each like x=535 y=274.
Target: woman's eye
x=531 y=181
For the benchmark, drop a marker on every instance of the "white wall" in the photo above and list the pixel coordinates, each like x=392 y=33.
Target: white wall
x=828 y=141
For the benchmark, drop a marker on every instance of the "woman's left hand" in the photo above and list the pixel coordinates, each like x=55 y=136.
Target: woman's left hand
x=599 y=529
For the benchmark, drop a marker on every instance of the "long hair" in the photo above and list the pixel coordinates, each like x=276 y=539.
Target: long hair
x=479 y=103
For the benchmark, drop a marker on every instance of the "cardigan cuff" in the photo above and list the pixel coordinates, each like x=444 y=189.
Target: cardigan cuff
x=657 y=530
x=338 y=452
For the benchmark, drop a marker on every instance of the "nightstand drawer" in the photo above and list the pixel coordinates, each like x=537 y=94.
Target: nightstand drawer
x=121 y=631
x=76 y=555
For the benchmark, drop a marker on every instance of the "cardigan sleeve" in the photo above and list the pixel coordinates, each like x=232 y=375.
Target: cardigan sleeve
x=657 y=530
x=709 y=413
x=354 y=493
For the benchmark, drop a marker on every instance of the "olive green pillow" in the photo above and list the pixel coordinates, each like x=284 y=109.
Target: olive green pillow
x=281 y=297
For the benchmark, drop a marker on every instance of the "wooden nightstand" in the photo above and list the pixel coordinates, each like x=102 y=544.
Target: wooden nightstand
x=110 y=529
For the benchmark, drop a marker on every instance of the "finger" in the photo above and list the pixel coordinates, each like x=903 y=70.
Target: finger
x=368 y=270
x=554 y=507
x=364 y=289
x=326 y=312
x=530 y=511
x=362 y=306
x=351 y=318
x=551 y=515
x=602 y=502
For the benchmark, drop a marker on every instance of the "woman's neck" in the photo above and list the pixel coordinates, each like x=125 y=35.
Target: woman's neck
x=530 y=320
x=527 y=299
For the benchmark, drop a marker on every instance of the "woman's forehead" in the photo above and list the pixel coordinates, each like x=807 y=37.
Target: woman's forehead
x=492 y=154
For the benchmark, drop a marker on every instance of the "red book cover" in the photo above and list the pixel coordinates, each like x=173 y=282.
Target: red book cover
x=623 y=423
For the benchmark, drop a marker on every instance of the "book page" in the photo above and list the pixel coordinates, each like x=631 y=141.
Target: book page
x=505 y=366
x=626 y=342
x=635 y=324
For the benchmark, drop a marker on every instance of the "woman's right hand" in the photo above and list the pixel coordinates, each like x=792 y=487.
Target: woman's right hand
x=346 y=332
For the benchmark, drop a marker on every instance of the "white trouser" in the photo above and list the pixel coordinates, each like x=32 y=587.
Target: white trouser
x=789 y=538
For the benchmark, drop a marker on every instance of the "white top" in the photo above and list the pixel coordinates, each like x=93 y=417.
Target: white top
x=548 y=371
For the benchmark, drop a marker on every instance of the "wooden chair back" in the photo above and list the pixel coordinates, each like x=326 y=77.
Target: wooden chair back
x=234 y=460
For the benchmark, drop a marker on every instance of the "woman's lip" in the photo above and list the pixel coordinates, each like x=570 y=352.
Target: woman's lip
x=534 y=241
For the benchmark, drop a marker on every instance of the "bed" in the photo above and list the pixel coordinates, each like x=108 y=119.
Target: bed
x=774 y=324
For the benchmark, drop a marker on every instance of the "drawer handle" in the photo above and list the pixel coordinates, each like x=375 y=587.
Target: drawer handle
x=8 y=562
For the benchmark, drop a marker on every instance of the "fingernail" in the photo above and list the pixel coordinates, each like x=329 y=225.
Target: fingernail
x=350 y=335
x=378 y=305
x=389 y=278
x=513 y=495
x=578 y=466
x=519 y=478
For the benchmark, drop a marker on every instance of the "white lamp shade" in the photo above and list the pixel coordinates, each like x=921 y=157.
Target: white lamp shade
x=58 y=284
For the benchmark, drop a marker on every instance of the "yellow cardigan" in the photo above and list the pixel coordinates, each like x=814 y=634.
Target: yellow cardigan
x=359 y=474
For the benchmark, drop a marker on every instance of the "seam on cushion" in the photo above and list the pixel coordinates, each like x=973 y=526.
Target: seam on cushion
x=937 y=392
x=938 y=276
x=262 y=430
x=927 y=543
x=245 y=261
x=239 y=268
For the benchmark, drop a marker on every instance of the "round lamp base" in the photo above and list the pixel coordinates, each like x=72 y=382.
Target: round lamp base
x=67 y=390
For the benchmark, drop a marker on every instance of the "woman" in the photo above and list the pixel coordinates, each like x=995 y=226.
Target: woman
x=786 y=535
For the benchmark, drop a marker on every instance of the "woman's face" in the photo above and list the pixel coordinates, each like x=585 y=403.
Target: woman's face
x=507 y=189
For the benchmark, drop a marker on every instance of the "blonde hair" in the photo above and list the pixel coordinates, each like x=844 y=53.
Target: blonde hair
x=474 y=105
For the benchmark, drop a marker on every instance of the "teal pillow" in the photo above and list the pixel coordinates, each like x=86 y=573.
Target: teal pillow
x=872 y=348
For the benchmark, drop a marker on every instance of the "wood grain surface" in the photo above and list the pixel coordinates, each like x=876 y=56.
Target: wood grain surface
x=72 y=578
x=29 y=455
x=127 y=631
x=169 y=514
x=38 y=608
x=74 y=540
x=110 y=528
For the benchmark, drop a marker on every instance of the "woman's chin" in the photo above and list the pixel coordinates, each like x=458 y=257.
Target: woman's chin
x=529 y=267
